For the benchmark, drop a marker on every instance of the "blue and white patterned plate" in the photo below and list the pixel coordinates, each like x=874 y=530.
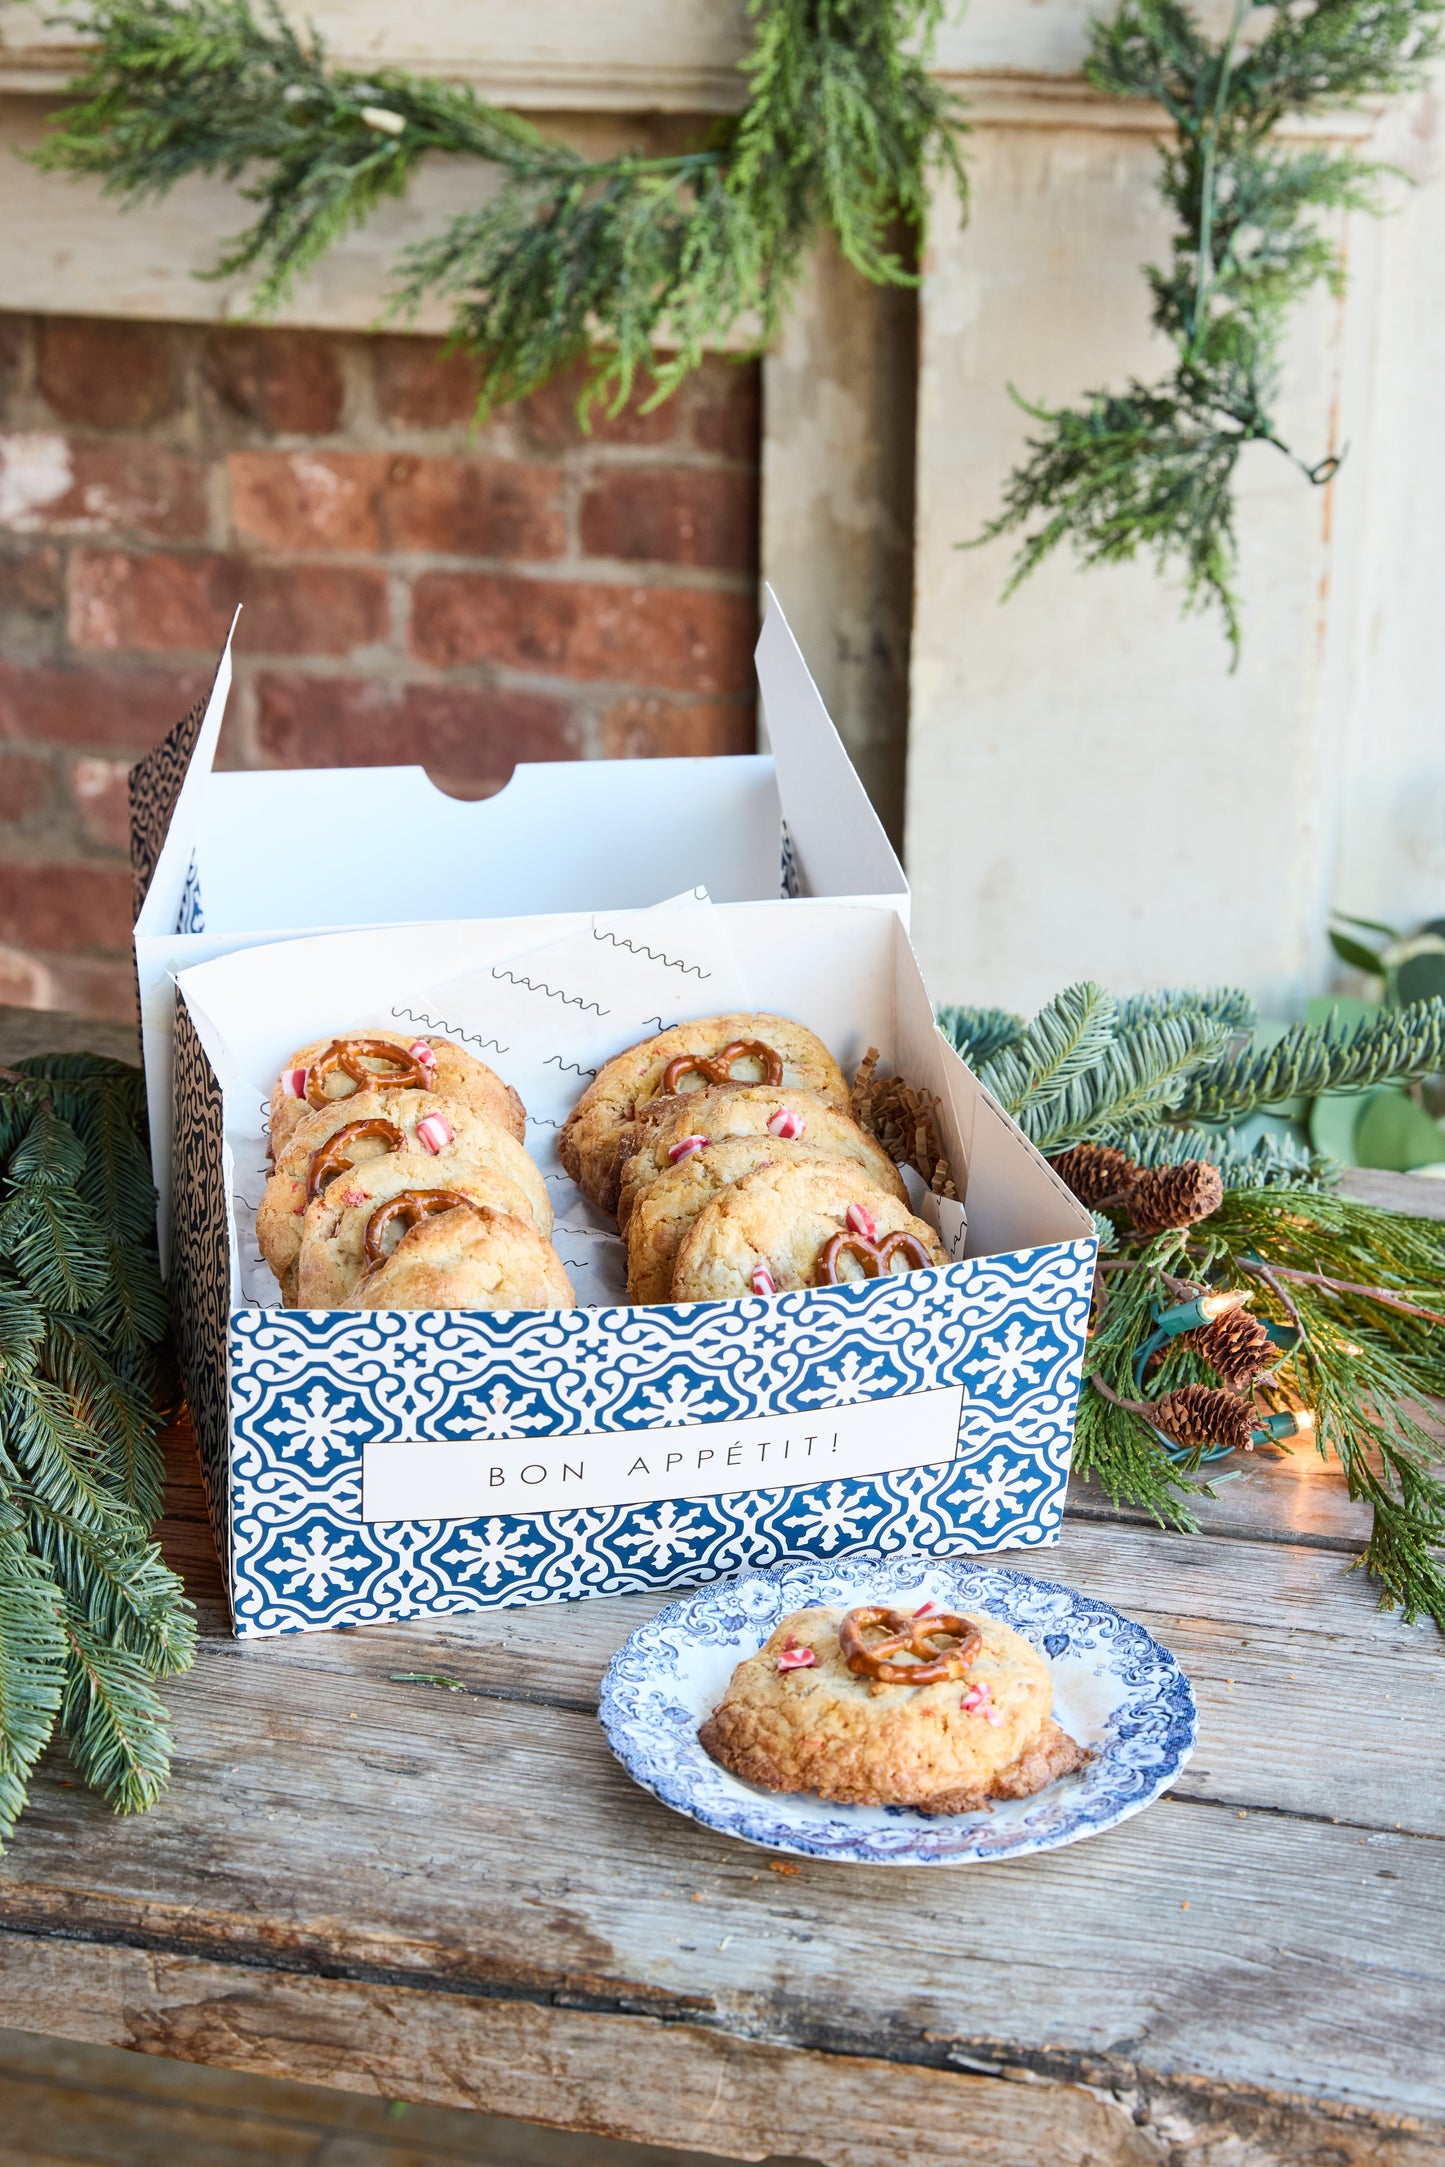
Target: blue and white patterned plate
x=1116 y=1690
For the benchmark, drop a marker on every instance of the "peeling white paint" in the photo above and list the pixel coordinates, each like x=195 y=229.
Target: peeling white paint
x=35 y=473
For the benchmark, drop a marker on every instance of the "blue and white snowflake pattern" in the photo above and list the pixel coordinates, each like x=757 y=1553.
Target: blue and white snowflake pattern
x=838 y=1514
x=673 y=1531
x=1012 y=1359
x=1000 y=1487
x=317 y=1426
x=320 y=1563
x=491 y=1552
x=846 y=1384
x=499 y=1414
x=305 y=1394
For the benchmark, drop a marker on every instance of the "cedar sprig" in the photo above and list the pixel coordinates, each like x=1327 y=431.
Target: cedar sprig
x=1367 y=1290
x=1152 y=468
x=570 y=259
x=90 y=1615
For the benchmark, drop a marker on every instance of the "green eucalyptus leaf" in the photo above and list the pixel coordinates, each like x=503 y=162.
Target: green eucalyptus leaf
x=1357 y=956
x=1396 y=1135
x=1422 y=978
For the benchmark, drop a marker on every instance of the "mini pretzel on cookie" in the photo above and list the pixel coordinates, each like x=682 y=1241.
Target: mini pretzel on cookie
x=348 y=1056
x=789 y=1054
x=904 y=1630
x=334 y=1157
x=378 y=1060
x=875 y=1257
x=772 y=1226
x=719 y=1068
x=410 y=1207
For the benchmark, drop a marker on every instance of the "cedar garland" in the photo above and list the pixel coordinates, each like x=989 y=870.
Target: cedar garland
x=598 y=261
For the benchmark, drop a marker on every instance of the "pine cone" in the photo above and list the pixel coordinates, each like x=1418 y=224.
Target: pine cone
x=1094 y=1172
x=1165 y=1196
x=1198 y=1415
x=1236 y=1345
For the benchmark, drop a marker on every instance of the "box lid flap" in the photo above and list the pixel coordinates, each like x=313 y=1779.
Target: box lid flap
x=837 y=838
x=166 y=790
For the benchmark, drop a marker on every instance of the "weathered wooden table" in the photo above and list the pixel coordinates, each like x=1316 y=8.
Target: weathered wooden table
x=457 y=1896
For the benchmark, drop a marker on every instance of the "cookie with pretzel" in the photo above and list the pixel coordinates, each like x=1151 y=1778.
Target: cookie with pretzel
x=665 y=1130
x=713 y=1052
x=665 y=1210
x=454 y=1253
x=332 y=1069
x=338 y=1223
x=447 y=1137
x=799 y=1226
x=891 y=1706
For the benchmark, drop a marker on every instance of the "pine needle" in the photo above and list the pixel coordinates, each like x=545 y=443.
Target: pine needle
x=89 y=1612
x=570 y=259
x=1151 y=469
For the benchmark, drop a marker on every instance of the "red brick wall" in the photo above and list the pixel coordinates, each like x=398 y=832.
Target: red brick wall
x=412 y=591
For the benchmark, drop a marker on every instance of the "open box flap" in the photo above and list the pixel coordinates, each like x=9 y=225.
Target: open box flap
x=837 y=839
x=167 y=794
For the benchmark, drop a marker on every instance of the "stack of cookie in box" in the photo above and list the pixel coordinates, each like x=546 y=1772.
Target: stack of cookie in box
x=400 y=1182
x=727 y=1150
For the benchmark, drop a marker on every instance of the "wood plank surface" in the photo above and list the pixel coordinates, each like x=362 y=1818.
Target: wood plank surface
x=349 y=1868
x=456 y=1896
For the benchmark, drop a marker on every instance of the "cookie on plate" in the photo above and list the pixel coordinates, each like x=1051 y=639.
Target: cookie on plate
x=331 y=1069
x=357 y=1129
x=826 y=1705
x=663 y=1130
x=460 y=1255
x=714 y=1050
x=799 y=1226
x=665 y=1209
x=333 y=1254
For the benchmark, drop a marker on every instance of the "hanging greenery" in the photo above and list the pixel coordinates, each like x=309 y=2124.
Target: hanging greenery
x=1239 y=1298
x=633 y=264
x=90 y=1616
x=1152 y=467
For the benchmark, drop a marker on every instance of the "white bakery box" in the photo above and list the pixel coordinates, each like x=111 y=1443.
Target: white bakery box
x=377 y=1464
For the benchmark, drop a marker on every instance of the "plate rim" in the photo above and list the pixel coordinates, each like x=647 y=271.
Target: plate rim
x=614 y=1727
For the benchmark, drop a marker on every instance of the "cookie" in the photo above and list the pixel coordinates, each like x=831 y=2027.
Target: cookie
x=795 y=1717
x=462 y=1138
x=665 y=1125
x=332 y=1256
x=468 y=1257
x=746 y=1048
x=798 y=1226
x=665 y=1209
x=331 y=1069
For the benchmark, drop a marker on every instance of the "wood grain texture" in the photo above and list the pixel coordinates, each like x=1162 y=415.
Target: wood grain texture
x=349 y=1869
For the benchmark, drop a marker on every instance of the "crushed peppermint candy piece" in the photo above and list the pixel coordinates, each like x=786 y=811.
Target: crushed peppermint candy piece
x=861 y=1221
x=422 y=1054
x=786 y=1125
x=797 y=1659
x=293 y=1083
x=685 y=1146
x=433 y=1131
x=978 y=1701
x=763 y=1280
x=923 y=1608
x=353 y=1197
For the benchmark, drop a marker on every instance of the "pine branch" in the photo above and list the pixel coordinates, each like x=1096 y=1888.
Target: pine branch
x=114 y=1725
x=1263 y=1162
x=1152 y=469
x=89 y=1613
x=1065 y=1039
x=979 y=1033
x=570 y=258
x=1399 y=1045
x=32 y=1664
